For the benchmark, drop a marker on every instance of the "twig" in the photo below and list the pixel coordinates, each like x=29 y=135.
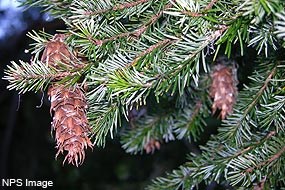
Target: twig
x=270 y=160
x=256 y=97
x=48 y=76
x=196 y=111
x=150 y=49
x=210 y=5
x=268 y=136
x=116 y=7
x=192 y=14
x=137 y=33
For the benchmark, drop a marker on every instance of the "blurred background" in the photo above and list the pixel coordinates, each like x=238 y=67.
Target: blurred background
x=27 y=149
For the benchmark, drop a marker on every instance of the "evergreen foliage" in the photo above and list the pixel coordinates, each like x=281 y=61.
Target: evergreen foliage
x=156 y=55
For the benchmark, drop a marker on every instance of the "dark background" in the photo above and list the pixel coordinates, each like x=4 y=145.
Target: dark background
x=27 y=149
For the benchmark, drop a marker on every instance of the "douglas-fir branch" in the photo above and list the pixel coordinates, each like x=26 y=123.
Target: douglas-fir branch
x=137 y=33
x=116 y=7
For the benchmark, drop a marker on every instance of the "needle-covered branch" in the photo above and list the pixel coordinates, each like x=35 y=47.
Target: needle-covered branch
x=250 y=143
x=30 y=77
x=241 y=125
x=235 y=165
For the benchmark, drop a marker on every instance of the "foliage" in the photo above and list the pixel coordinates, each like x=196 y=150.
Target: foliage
x=154 y=52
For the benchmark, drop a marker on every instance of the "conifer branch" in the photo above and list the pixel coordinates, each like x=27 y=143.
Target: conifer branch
x=233 y=159
x=262 y=38
x=104 y=119
x=280 y=25
x=189 y=122
x=157 y=79
x=29 y=77
x=196 y=110
x=137 y=32
x=57 y=8
x=201 y=13
x=266 y=162
x=260 y=92
x=158 y=127
x=191 y=14
x=210 y=5
x=249 y=148
x=116 y=7
x=166 y=125
x=101 y=42
x=272 y=114
x=229 y=162
x=151 y=49
x=239 y=126
x=36 y=76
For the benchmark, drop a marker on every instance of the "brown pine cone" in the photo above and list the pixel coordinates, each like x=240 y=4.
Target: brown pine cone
x=57 y=54
x=70 y=122
x=151 y=146
x=68 y=105
x=223 y=89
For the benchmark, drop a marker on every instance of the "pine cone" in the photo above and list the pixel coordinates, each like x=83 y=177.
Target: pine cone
x=68 y=105
x=70 y=122
x=223 y=89
x=57 y=54
x=151 y=146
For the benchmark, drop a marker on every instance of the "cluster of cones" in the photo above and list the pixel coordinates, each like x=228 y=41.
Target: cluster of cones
x=68 y=104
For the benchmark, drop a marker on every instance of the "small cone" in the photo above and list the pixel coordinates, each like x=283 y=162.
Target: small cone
x=223 y=89
x=57 y=54
x=151 y=146
x=70 y=122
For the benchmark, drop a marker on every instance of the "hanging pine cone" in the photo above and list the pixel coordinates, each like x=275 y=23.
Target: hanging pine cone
x=68 y=104
x=56 y=51
x=223 y=89
x=70 y=122
x=151 y=146
x=57 y=54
